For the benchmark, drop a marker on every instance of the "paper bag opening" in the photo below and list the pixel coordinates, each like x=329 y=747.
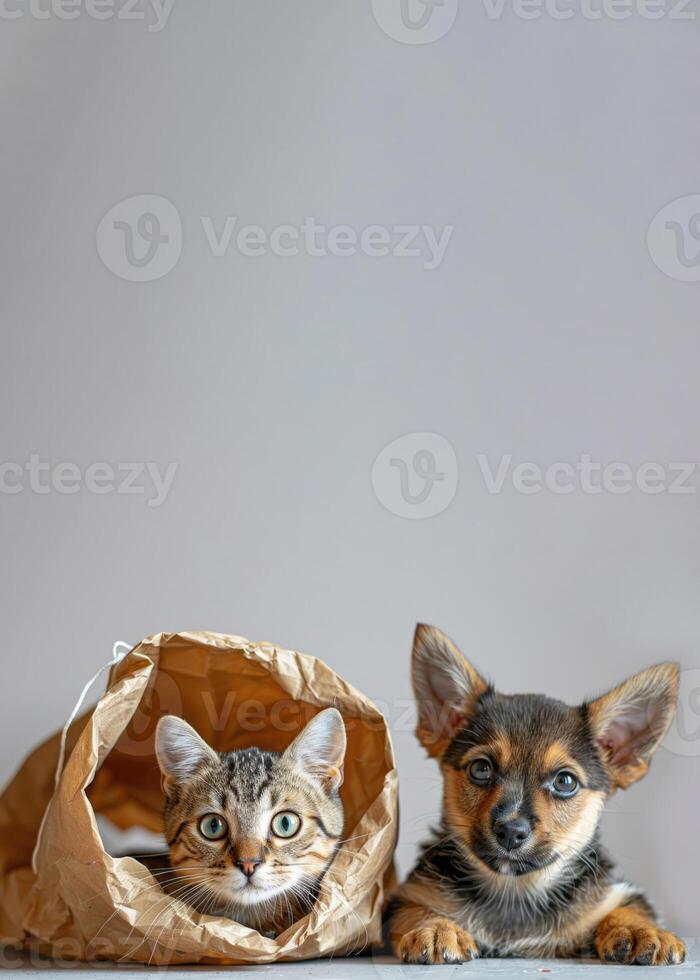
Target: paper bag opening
x=83 y=904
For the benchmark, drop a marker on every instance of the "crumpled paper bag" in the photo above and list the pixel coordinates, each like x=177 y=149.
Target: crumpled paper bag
x=75 y=900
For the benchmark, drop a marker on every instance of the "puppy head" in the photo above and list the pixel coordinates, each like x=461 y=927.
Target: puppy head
x=526 y=776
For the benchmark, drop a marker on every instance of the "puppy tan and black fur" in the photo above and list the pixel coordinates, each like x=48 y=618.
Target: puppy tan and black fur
x=516 y=867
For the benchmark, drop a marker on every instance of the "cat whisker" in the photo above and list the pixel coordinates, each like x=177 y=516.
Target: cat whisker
x=183 y=895
x=143 y=886
x=347 y=840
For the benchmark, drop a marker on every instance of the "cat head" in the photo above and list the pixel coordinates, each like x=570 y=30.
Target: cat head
x=248 y=826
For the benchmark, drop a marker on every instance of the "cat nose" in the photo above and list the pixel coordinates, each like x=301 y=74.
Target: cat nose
x=512 y=834
x=248 y=865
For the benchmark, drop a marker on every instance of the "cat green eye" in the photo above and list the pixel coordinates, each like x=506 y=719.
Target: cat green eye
x=212 y=826
x=285 y=824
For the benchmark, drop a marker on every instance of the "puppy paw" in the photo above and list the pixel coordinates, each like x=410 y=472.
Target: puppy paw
x=646 y=945
x=440 y=942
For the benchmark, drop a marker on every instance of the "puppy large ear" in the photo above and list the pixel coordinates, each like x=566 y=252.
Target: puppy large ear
x=319 y=750
x=629 y=722
x=446 y=687
x=180 y=751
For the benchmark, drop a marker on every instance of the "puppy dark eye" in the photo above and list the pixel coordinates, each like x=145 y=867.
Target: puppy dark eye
x=564 y=783
x=480 y=771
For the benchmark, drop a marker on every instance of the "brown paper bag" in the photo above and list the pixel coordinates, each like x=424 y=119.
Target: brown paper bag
x=74 y=900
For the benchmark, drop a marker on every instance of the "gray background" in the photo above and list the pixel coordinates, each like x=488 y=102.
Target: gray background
x=547 y=332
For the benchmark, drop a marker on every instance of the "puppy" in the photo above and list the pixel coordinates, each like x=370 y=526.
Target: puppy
x=516 y=868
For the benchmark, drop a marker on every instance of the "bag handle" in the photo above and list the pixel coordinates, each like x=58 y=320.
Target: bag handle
x=117 y=656
x=119 y=651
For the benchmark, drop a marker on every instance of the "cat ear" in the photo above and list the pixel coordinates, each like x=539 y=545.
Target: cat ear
x=445 y=686
x=180 y=750
x=320 y=749
x=629 y=722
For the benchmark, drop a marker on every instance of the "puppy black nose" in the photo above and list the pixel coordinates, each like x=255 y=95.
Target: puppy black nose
x=248 y=866
x=512 y=834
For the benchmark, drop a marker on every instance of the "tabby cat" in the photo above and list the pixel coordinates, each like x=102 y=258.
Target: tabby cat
x=252 y=833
